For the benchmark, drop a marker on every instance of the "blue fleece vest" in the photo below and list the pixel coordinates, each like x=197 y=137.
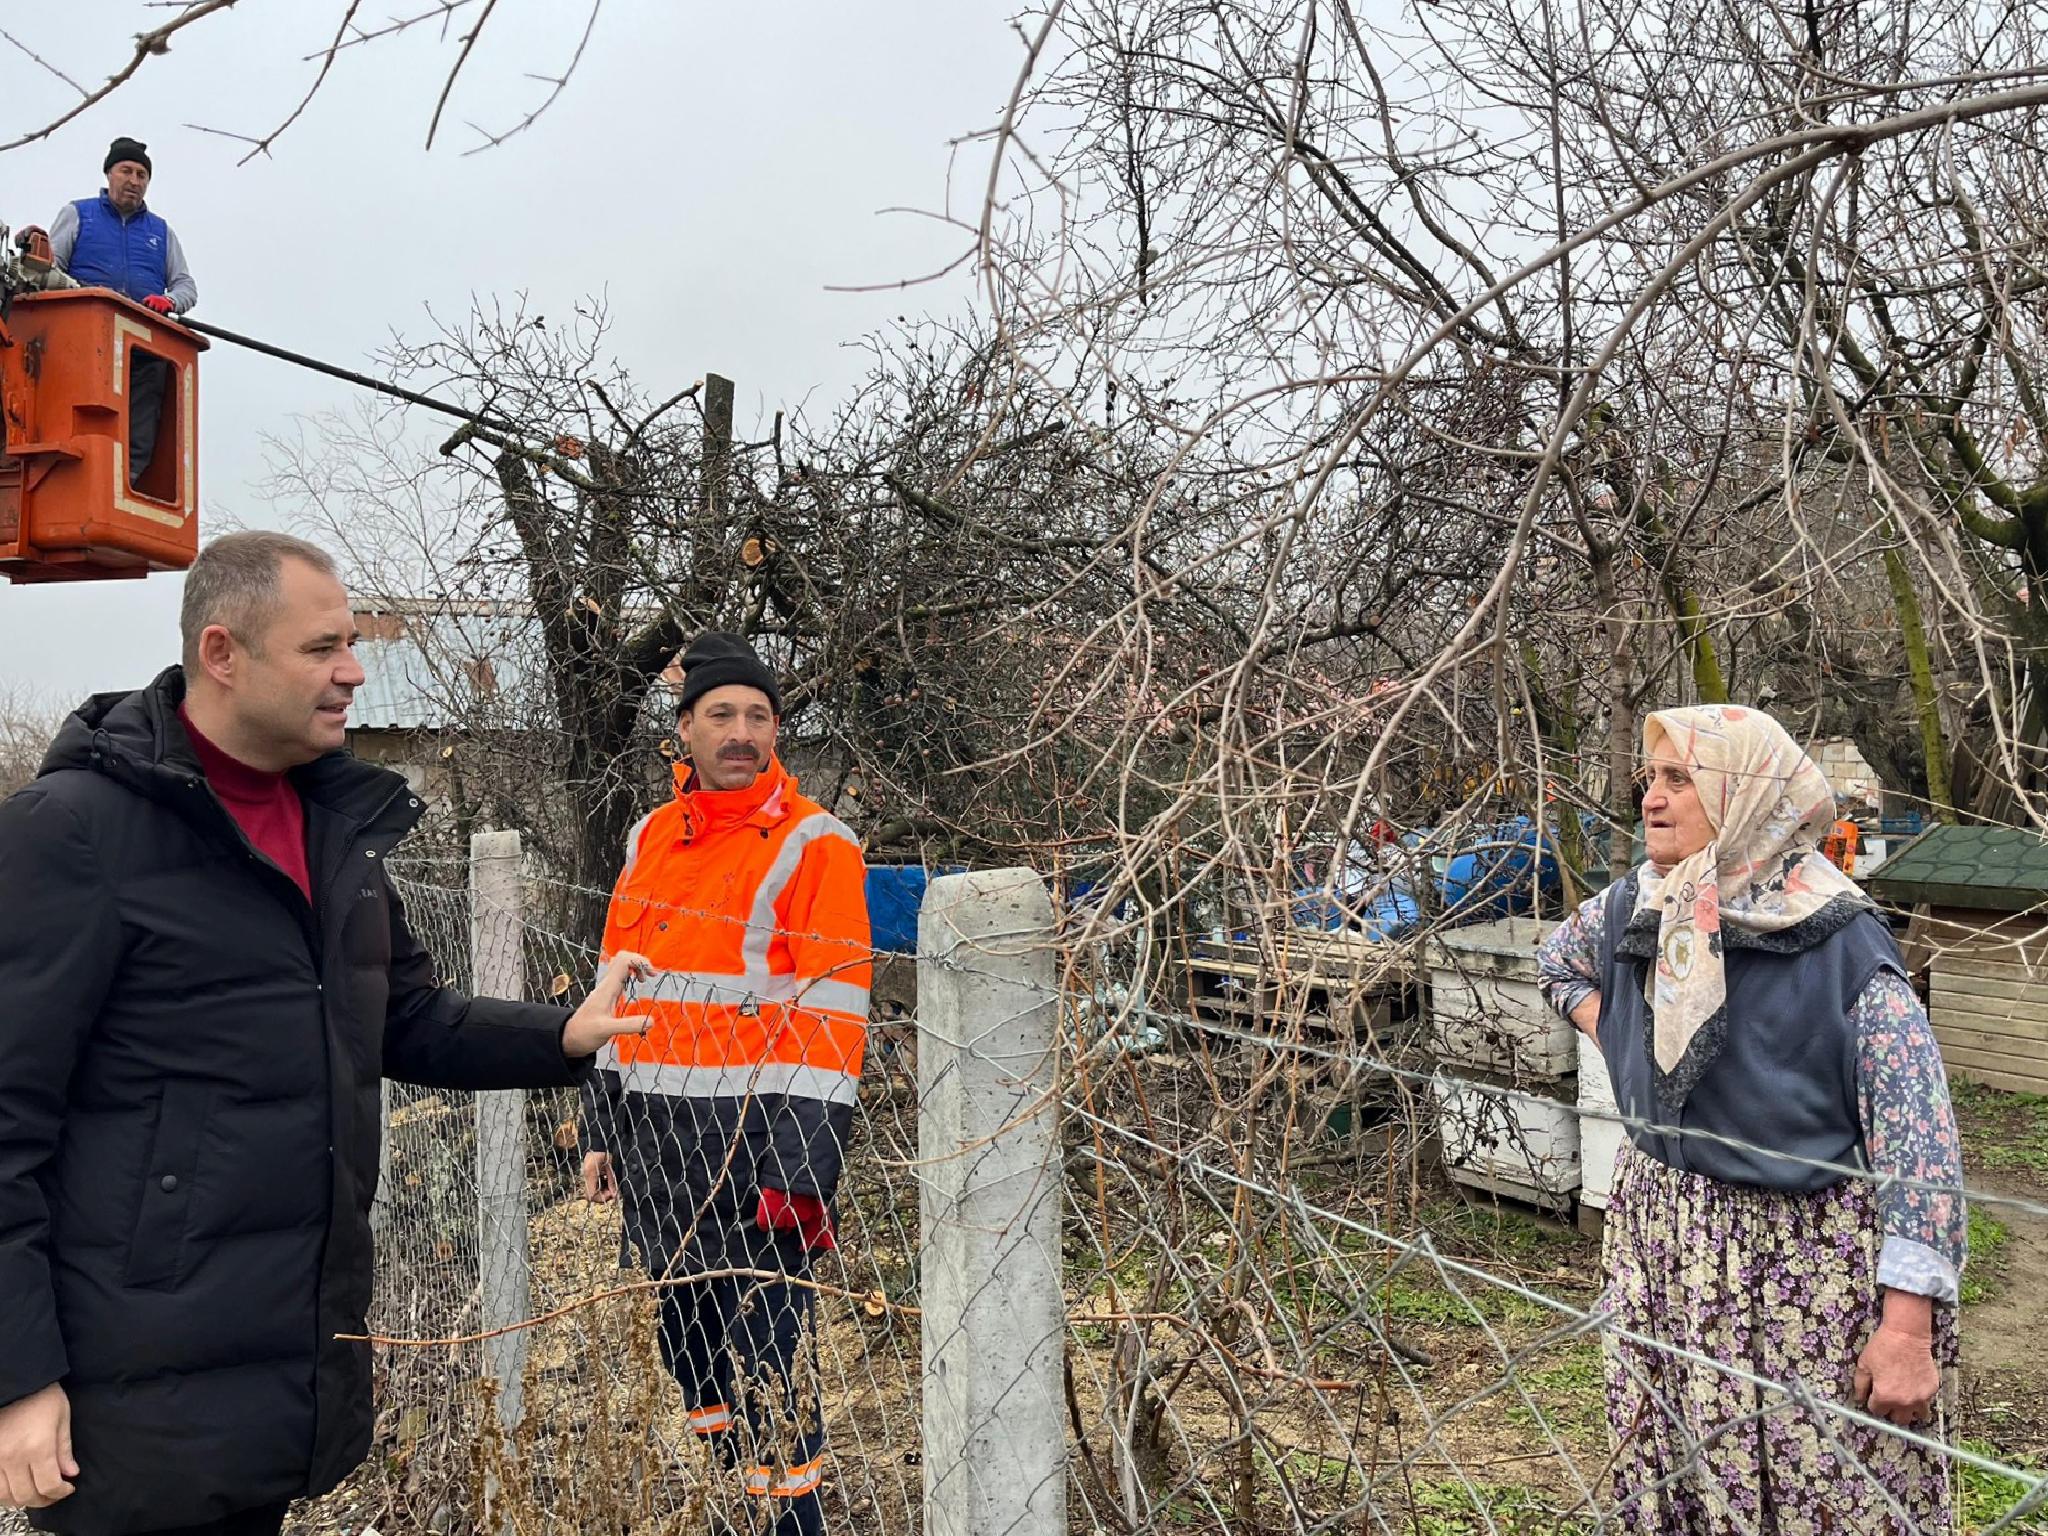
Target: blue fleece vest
x=132 y=256
x=1784 y=1078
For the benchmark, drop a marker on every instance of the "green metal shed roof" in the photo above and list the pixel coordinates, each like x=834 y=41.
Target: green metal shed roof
x=1995 y=869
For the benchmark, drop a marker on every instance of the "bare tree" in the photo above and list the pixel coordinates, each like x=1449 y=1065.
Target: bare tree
x=28 y=723
x=1370 y=421
x=928 y=568
x=460 y=24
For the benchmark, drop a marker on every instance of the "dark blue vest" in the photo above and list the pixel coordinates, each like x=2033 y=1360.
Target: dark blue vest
x=1785 y=1076
x=131 y=256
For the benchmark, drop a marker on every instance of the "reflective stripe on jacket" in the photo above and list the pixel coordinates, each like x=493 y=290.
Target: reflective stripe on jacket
x=751 y=906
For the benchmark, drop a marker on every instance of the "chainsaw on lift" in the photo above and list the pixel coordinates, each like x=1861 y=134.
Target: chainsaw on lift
x=27 y=266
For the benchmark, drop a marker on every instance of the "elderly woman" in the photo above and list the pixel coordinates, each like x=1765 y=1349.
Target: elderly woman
x=1777 y=1073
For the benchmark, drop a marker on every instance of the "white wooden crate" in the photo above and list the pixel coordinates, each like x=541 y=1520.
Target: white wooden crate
x=1509 y=1143
x=1486 y=1011
x=1599 y=1140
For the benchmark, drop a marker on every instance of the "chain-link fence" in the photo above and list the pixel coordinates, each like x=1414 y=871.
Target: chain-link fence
x=601 y=1426
x=1279 y=1311
x=1205 y=1234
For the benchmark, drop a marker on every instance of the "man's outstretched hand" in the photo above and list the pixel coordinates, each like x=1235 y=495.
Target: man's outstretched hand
x=597 y=1020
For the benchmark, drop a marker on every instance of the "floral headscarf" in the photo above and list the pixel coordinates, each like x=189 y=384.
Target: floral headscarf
x=1761 y=882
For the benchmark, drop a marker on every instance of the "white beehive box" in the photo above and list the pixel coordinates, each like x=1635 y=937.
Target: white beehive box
x=1599 y=1140
x=1486 y=1011
x=1508 y=1142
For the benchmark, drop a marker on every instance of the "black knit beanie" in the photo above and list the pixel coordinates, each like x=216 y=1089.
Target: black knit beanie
x=128 y=149
x=715 y=659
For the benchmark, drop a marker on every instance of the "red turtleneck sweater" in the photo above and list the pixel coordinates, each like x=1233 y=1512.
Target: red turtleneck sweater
x=265 y=806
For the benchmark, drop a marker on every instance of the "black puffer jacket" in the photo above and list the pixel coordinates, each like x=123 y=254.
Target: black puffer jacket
x=189 y=1064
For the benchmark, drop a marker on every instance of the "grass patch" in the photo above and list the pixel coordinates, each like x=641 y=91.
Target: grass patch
x=1433 y=1306
x=1986 y=1496
x=1500 y=1231
x=1314 y=1472
x=1569 y=1396
x=2002 y=1132
x=1986 y=1267
x=1453 y=1509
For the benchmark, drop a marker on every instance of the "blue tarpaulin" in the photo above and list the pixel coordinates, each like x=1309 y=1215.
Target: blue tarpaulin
x=1489 y=875
x=1390 y=914
x=895 y=892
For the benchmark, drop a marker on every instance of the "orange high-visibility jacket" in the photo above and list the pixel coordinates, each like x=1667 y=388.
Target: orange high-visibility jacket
x=751 y=905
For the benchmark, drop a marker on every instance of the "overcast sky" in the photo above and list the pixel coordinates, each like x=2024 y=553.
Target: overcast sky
x=710 y=169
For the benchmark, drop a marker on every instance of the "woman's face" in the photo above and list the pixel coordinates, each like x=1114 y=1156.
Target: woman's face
x=1675 y=824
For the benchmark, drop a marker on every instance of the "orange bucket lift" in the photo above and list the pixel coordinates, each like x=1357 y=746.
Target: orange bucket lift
x=67 y=510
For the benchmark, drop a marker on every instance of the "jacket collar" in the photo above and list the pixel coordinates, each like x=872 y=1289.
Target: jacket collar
x=766 y=802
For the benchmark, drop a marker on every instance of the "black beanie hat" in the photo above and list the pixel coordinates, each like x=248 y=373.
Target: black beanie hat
x=715 y=659
x=128 y=149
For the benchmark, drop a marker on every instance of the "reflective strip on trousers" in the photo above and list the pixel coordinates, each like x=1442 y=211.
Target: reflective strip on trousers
x=794 y=1483
x=711 y=1420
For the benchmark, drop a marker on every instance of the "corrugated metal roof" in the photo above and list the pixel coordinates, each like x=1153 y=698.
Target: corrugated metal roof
x=1995 y=869
x=427 y=671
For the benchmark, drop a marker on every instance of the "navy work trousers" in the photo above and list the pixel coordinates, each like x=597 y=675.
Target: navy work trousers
x=741 y=1347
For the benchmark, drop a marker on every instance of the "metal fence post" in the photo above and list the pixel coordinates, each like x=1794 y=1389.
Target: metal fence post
x=496 y=930
x=994 y=1325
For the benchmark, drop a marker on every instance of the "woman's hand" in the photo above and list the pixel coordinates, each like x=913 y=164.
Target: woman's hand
x=1896 y=1377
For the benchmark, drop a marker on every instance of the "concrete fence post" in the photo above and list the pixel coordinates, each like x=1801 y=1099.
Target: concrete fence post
x=994 y=1325
x=497 y=895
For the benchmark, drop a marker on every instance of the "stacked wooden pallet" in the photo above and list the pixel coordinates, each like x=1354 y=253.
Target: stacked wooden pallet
x=1329 y=977
x=1351 y=998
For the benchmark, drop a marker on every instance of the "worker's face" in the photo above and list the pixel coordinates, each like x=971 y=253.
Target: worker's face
x=290 y=686
x=127 y=184
x=728 y=735
x=1675 y=824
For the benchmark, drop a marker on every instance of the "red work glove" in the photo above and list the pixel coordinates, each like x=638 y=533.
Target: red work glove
x=158 y=302
x=804 y=1215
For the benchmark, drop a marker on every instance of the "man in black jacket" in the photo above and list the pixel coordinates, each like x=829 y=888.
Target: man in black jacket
x=204 y=972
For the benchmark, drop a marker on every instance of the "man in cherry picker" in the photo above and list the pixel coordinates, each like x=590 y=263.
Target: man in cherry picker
x=114 y=241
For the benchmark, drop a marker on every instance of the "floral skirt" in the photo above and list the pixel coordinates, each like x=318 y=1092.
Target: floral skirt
x=1784 y=1287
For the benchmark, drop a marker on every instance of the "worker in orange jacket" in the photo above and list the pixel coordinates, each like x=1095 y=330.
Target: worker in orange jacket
x=1840 y=844
x=723 y=1128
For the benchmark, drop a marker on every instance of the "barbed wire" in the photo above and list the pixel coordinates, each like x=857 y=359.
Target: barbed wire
x=1360 y=1058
